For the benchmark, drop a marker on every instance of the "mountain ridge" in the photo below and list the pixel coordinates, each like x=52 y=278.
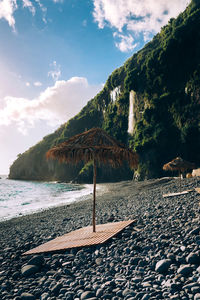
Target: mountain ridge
x=161 y=83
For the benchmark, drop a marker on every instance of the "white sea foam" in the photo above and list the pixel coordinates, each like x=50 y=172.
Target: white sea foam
x=25 y=197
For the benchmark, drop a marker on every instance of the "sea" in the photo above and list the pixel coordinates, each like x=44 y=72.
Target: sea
x=18 y=197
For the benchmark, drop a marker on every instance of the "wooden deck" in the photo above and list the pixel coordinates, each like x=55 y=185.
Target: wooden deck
x=82 y=237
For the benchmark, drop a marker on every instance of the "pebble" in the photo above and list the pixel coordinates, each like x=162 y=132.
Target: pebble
x=193 y=258
x=87 y=295
x=36 y=260
x=27 y=296
x=29 y=270
x=162 y=266
x=184 y=270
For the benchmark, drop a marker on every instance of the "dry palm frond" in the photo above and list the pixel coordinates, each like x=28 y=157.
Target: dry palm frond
x=94 y=143
x=178 y=164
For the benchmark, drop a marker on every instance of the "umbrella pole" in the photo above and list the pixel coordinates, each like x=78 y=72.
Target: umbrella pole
x=180 y=180
x=94 y=195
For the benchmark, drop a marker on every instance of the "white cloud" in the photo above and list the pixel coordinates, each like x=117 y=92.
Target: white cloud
x=43 y=9
x=37 y=83
x=136 y=17
x=125 y=43
x=55 y=105
x=7 y=9
x=55 y=73
x=29 y=5
x=28 y=84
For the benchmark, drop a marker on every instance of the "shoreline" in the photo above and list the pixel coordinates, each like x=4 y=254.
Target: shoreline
x=109 y=190
x=45 y=195
x=86 y=195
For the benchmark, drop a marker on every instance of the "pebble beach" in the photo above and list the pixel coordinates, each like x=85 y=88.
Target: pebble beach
x=157 y=257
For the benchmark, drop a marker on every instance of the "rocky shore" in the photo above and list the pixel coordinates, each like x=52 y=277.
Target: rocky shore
x=158 y=257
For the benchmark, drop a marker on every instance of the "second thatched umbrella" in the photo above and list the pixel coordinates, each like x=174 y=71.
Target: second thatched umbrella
x=97 y=146
x=178 y=164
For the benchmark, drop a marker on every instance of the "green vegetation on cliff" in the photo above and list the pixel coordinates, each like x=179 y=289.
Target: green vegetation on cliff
x=165 y=76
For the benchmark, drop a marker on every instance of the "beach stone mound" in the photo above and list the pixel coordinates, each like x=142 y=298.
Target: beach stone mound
x=162 y=266
x=28 y=270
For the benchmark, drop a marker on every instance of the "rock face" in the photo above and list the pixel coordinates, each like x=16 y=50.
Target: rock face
x=157 y=257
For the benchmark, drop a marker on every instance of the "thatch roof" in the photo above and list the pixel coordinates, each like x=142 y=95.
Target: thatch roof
x=178 y=164
x=94 y=143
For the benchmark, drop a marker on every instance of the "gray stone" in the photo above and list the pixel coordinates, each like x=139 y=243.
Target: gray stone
x=162 y=266
x=197 y=296
x=134 y=260
x=194 y=231
x=146 y=284
x=99 y=261
x=198 y=269
x=136 y=279
x=36 y=260
x=184 y=270
x=146 y=297
x=56 y=288
x=27 y=296
x=29 y=269
x=87 y=295
x=69 y=295
x=128 y=292
x=195 y=289
x=190 y=285
x=193 y=258
x=44 y=296
x=68 y=272
x=175 y=297
x=99 y=293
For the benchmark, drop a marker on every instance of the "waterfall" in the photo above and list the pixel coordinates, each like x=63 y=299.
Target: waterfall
x=131 y=117
x=115 y=93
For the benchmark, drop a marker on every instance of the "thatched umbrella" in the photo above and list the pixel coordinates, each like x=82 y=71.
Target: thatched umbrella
x=178 y=164
x=97 y=146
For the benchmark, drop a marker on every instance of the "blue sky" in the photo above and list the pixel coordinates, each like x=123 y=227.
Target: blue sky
x=55 y=55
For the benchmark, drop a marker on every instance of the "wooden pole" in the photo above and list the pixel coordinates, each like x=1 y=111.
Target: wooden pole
x=94 y=195
x=180 y=180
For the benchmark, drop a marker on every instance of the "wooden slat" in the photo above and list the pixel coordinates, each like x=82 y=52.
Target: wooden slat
x=176 y=194
x=82 y=237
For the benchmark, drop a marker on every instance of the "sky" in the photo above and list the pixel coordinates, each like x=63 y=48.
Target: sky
x=55 y=55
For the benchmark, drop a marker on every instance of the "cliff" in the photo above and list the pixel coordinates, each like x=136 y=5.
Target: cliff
x=151 y=103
